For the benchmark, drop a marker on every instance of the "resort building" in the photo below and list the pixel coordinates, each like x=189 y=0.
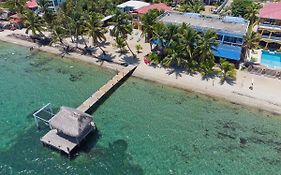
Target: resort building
x=230 y=30
x=270 y=26
x=137 y=14
x=132 y=5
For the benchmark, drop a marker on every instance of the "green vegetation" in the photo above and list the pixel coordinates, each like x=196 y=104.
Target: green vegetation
x=122 y=28
x=85 y=20
x=138 y=48
x=148 y=21
x=33 y=23
x=121 y=44
x=247 y=9
x=178 y=46
x=184 y=47
x=228 y=71
x=195 y=6
x=251 y=41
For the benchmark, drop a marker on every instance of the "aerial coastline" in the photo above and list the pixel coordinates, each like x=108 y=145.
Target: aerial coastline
x=263 y=96
x=140 y=87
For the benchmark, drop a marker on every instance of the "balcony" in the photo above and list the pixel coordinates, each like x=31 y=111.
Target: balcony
x=271 y=38
x=270 y=27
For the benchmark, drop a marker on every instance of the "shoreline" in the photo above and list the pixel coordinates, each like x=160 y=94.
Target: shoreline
x=256 y=106
x=231 y=93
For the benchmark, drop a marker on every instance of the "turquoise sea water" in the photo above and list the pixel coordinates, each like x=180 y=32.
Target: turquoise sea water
x=144 y=128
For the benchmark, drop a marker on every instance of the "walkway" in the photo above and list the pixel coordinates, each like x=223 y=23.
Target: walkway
x=91 y=101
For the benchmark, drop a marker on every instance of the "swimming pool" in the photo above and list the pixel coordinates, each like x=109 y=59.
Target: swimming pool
x=271 y=59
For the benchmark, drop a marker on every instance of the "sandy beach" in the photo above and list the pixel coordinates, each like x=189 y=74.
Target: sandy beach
x=265 y=94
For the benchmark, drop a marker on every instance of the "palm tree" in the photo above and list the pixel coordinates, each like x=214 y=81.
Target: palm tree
x=228 y=70
x=63 y=18
x=194 y=6
x=14 y=5
x=172 y=55
x=205 y=57
x=251 y=41
x=93 y=28
x=57 y=34
x=122 y=27
x=252 y=13
x=120 y=43
x=148 y=21
x=188 y=42
x=76 y=23
x=33 y=23
x=47 y=13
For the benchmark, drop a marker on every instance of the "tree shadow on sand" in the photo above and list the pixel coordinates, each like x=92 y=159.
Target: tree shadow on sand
x=108 y=57
x=229 y=81
x=103 y=44
x=130 y=59
x=27 y=155
x=177 y=71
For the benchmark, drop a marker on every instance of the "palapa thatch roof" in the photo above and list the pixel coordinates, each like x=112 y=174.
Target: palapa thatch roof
x=71 y=122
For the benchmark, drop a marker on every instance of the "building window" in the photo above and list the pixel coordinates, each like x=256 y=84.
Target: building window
x=233 y=40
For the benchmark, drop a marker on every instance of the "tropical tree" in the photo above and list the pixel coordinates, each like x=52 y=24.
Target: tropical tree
x=47 y=13
x=93 y=28
x=228 y=70
x=14 y=5
x=76 y=23
x=122 y=27
x=153 y=57
x=148 y=21
x=33 y=23
x=194 y=6
x=252 y=13
x=185 y=47
x=138 y=48
x=120 y=43
x=206 y=44
x=58 y=32
x=251 y=41
x=240 y=7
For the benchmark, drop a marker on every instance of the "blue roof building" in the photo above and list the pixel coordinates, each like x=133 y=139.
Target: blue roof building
x=230 y=30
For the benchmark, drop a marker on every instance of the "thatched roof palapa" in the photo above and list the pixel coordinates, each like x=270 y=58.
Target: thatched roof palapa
x=71 y=122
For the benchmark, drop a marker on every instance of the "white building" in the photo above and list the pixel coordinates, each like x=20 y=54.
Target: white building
x=132 y=5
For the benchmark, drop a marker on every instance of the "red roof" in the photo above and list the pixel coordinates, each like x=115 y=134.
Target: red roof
x=271 y=11
x=31 y=4
x=158 y=6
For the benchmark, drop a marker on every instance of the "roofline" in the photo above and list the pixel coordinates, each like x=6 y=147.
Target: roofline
x=217 y=30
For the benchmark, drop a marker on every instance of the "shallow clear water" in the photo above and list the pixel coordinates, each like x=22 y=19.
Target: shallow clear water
x=144 y=128
x=271 y=59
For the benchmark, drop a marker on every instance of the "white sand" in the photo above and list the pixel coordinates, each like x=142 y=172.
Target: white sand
x=266 y=93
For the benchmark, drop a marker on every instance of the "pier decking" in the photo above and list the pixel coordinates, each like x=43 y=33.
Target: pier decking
x=94 y=98
x=70 y=126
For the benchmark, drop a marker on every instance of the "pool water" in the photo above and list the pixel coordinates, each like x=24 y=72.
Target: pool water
x=143 y=127
x=271 y=59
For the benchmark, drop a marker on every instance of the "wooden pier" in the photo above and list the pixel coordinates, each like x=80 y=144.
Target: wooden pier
x=70 y=126
x=94 y=98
